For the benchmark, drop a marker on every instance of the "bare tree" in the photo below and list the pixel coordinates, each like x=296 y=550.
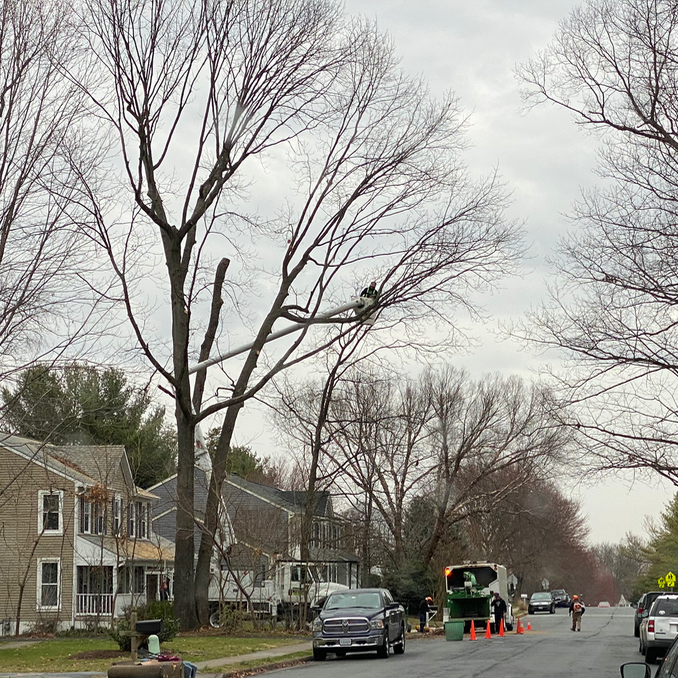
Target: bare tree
x=482 y=430
x=382 y=450
x=42 y=136
x=446 y=440
x=613 y=65
x=194 y=92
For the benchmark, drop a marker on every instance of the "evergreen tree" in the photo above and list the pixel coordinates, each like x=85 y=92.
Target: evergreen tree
x=661 y=552
x=83 y=405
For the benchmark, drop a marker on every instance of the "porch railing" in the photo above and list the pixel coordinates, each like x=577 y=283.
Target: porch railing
x=94 y=603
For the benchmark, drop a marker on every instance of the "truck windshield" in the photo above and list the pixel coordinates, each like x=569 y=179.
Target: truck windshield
x=342 y=601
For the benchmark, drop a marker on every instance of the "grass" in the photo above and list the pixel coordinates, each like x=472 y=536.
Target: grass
x=60 y=654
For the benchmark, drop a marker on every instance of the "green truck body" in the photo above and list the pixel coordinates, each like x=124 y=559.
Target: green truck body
x=470 y=588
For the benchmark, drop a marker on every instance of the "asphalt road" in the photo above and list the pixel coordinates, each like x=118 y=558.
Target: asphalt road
x=550 y=649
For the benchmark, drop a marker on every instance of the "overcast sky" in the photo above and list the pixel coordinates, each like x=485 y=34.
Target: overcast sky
x=472 y=49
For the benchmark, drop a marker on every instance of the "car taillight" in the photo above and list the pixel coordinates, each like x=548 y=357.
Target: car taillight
x=650 y=625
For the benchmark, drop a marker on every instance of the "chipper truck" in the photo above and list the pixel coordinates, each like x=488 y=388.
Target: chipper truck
x=470 y=588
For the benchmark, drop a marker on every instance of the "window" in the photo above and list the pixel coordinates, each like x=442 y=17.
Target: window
x=50 y=512
x=117 y=514
x=85 y=515
x=99 y=520
x=138 y=520
x=131 y=579
x=49 y=575
x=141 y=518
x=131 y=522
x=92 y=515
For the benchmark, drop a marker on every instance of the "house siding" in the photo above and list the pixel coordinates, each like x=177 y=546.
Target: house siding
x=22 y=546
x=27 y=469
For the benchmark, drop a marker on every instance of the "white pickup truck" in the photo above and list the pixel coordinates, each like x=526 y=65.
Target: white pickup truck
x=292 y=583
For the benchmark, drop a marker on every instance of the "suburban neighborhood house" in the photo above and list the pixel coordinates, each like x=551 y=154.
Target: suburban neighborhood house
x=257 y=559
x=76 y=540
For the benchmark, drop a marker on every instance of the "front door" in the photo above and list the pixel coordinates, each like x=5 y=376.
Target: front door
x=151 y=587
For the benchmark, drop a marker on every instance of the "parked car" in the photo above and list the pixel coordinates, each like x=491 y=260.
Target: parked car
x=560 y=597
x=669 y=667
x=604 y=603
x=359 y=620
x=541 y=602
x=660 y=628
x=644 y=604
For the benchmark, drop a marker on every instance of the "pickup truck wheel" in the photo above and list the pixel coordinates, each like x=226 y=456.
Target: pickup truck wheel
x=214 y=620
x=319 y=655
x=383 y=650
x=399 y=646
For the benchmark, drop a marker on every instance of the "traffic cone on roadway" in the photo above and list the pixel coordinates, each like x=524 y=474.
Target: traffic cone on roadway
x=501 y=628
x=488 y=634
x=529 y=626
x=519 y=627
x=473 y=631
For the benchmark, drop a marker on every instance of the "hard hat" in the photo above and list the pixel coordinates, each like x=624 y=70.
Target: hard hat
x=575 y=597
x=429 y=598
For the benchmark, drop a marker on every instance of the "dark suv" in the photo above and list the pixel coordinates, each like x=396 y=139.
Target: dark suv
x=642 y=609
x=358 y=620
x=560 y=597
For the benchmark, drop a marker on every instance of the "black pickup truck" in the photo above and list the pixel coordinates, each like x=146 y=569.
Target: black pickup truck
x=359 y=620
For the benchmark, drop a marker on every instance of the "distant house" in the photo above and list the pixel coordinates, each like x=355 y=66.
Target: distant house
x=261 y=527
x=76 y=539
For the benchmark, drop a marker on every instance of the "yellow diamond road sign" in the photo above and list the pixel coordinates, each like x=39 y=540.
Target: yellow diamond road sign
x=670 y=579
x=662 y=582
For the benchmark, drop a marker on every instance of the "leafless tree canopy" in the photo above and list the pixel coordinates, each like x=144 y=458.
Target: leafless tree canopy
x=461 y=448
x=613 y=64
x=43 y=150
x=201 y=97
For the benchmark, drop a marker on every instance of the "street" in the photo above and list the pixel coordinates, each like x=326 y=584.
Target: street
x=550 y=649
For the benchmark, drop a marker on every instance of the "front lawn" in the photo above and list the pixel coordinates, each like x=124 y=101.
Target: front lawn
x=97 y=654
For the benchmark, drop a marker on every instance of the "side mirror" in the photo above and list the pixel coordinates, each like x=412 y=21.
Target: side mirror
x=635 y=670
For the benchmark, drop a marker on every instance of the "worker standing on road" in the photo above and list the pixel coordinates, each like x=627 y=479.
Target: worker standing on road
x=577 y=609
x=424 y=609
x=498 y=606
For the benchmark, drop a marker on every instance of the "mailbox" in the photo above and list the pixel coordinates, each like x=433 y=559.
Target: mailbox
x=149 y=626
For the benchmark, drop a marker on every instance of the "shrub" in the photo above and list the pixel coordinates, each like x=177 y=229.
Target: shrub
x=231 y=619
x=154 y=609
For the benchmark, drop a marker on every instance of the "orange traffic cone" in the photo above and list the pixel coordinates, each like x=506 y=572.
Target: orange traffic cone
x=501 y=628
x=519 y=627
x=529 y=626
x=488 y=634
x=473 y=630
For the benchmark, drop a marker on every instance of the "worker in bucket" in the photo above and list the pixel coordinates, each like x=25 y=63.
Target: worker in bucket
x=499 y=608
x=370 y=292
x=424 y=609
